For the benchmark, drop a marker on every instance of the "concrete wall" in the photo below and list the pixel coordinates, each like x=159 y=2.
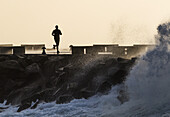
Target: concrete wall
x=116 y=50
x=18 y=50
x=12 y=50
x=5 y=50
x=77 y=49
x=98 y=48
x=33 y=46
x=6 y=45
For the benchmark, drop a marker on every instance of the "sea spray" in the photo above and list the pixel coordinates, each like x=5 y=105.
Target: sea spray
x=148 y=82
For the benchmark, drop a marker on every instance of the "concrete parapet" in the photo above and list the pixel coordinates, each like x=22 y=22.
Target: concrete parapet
x=127 y=51
x=90 y=50
x=114 y=49
x=110 y=48
x=143 y=47
x=6 y=45
x=5 y=50
x=98 y=48
x=18 y=50
x=33 y=46
x=78 y=49
x=12 y=50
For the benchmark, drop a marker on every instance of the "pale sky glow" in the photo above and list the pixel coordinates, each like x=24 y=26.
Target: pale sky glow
x=82 y=22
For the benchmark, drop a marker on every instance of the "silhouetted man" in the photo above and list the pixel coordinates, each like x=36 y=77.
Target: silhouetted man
x=56 y=33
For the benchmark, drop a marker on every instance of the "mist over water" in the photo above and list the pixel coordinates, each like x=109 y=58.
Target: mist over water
x=126 y=31
x=148 y=82
x=148 y=88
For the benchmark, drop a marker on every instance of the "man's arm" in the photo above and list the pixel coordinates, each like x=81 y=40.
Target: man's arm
x=53 y=33
x=60 y=32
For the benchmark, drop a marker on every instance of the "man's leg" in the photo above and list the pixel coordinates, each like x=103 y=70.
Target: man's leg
x=57 y=44
x=54 y=46
x=57 y=49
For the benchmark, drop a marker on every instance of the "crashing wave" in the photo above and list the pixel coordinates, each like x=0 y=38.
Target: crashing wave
x=148 y=82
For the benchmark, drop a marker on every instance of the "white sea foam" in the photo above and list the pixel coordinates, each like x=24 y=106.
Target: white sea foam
x=93 y=107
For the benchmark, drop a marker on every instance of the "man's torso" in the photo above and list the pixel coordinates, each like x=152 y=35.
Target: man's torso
x=56 y=33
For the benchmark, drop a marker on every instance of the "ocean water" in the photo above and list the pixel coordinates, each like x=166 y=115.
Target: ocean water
x=92 y=107
x=148 y=88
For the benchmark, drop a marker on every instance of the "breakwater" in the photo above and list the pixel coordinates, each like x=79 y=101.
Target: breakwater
x=45 y=78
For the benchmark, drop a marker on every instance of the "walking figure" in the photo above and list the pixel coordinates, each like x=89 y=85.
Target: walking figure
x=56 y=33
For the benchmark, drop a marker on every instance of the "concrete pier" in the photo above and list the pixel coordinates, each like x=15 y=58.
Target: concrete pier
x=113 y=49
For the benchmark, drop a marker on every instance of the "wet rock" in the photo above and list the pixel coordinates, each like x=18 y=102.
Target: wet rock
x=121 y=60
x=1 y=100
x=11 y=65
x=10 y=84
x=35 y=105
x=64 y=99
x=24 y=106
x=104 y=87
x=33 y=68
x=72 y=85
x=84 y=93
x=38 y=59
x=3 y=58
x=23 y=94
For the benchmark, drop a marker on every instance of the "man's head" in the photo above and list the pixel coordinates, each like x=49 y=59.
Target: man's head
x=56 y=26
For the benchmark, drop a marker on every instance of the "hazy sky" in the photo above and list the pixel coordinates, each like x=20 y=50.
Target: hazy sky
x=82 y=22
